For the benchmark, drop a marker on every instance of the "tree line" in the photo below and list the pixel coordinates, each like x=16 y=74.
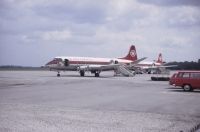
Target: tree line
x=186 y=65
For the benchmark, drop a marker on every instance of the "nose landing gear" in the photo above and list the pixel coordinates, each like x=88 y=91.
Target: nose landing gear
x=58 y=75
x=82 y=73
x=96 y=74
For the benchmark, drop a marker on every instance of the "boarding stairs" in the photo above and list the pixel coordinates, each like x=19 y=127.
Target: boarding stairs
x=125 y=71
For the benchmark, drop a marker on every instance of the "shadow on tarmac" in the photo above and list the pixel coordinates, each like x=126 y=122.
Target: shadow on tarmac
x=182 y=91
x=78 y=76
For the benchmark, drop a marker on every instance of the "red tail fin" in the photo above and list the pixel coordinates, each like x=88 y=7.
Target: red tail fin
x=132 y=54
x=159 y=58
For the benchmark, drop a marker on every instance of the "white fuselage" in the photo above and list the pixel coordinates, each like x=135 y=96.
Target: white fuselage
x=74 y=62
x=148 y=64
x=92 y=60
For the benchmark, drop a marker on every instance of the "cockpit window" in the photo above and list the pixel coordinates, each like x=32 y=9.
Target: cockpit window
x=57 y=59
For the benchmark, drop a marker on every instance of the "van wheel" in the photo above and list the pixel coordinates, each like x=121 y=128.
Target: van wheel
x=187 y=88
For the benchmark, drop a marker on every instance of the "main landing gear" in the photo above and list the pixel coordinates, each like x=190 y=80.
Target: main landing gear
x=82 y=73
x=96 y=73
x=58 y=75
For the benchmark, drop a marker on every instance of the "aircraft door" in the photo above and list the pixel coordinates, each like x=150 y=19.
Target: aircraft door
x=116 y=62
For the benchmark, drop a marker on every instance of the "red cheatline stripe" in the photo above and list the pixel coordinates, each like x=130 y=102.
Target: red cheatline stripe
x=81 y=62
x=89 y=62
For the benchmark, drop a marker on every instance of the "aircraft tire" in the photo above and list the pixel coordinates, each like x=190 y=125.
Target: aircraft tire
x=58 y=75
x=96 y=74
x=82 y=73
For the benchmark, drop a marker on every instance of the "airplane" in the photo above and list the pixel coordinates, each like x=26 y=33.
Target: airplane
x=95 y=65
x=149 y=64
x=156 y=66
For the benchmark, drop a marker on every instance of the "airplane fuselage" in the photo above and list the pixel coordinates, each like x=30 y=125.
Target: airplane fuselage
x=79 y=61
x=146 y=64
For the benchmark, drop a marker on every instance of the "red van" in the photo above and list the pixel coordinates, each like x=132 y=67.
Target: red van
x=172 y=79
x=188 y=80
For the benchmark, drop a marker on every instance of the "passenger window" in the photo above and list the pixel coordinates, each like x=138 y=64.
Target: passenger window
x=195 y=75
x=180 y=75
x=186 y=75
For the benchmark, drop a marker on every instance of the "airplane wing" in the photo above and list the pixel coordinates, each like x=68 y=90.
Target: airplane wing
x=168 y=66
x=138 y=60
x=109 y=67
x=99 y=67
x=162 y=66
x=119 y=67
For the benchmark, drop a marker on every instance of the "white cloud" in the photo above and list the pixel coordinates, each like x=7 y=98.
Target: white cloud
x=56 y=35
x=91 y=26
x=182 y=16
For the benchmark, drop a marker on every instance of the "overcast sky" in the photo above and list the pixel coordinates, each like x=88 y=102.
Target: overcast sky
x=34 y=31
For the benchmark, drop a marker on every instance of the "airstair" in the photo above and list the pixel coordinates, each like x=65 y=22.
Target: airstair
x=125 y=71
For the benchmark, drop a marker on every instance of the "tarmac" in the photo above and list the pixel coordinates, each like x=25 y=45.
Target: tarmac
x=37 y=101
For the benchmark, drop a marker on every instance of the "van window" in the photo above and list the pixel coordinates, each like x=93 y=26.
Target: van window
x=180 y=75
x=195 y=75
x=174 y=75
x=186 y=75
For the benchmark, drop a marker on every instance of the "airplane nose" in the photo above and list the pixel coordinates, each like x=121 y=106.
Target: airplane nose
x=54 y=62
x=50 y=63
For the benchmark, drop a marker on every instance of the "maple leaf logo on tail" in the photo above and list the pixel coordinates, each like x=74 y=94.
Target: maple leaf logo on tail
x=132 y=54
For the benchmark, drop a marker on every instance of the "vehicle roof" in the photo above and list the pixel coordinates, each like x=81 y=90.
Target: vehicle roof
x=189 y=71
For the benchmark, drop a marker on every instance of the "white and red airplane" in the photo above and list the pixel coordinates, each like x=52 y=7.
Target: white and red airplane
x=154 y=66
x=96 y=65
x=149 y=64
